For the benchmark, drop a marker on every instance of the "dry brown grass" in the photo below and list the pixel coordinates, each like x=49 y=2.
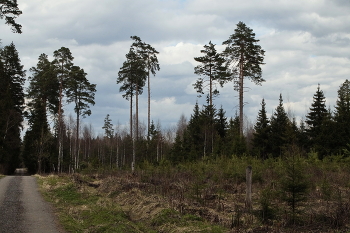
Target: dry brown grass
x=216 y=194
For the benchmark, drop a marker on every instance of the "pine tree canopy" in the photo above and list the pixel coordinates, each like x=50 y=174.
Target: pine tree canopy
x=242 y=52
x=212 y=69
x=132 y=74
x=10 y=11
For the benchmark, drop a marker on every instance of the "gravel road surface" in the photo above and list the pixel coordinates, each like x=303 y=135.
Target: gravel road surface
x=22 y=208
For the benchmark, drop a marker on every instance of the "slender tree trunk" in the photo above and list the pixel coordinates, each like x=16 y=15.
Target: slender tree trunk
x=241 y=66
x=117 y=162
x=137 y=114
x=77 y=142
x=137 y=128
x=149 y=104
x=60 y=146
x=210 y=89
x=132 y=137
x=211 y=109
x=205 y=141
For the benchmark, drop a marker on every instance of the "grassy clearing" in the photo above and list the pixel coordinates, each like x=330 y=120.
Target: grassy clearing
x=300 y=195
x=87 y=209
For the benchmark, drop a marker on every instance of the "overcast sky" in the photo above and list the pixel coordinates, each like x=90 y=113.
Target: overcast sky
x=306 y=42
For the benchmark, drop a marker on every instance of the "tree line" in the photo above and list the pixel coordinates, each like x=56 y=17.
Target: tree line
x=55 y=142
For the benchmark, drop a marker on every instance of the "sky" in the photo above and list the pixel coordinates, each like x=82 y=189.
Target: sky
x=307 y=42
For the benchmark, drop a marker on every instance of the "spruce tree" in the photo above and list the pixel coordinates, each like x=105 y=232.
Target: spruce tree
x=207 y=120
x=315 y=117
x=221 y=126
x=193 y=140
x=328 y=139
x=235 y=142
x=294 y=185
x=262 y=132
x=342 y=116
x=279 y=124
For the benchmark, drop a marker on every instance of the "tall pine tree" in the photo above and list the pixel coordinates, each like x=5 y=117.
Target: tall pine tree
x=63 y=62
x=212 y=72
x=132 y=75
x=245 y=57
x=82 y=93
x=149 y=56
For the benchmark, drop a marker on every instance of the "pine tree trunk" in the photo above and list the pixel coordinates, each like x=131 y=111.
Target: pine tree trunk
x=132 y=138
x=149 y=104
x=241 y=95
x=60 y=139
x=137 y=114
x=77 y=143
x=117 y=156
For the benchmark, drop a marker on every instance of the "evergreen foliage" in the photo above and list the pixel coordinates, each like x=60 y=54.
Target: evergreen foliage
x=63 y=63
x=133 y=76
x=149 y=56
x=213 y=71
x=43 y=85
x=10 y=11
x=328 y=140
x=43 y=94
x=245 y=58
x=221 y=127
x=12 y=77
x=342 y=116
x=108 y=127
x=262 y=132
x=315 y=118
x=236 y=142
x=294 y=185
x=279 y=125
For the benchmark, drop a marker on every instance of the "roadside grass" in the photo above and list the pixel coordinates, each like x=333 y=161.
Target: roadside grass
x=81 y=208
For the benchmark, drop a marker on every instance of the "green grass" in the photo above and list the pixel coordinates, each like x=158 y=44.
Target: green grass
x=81 y=211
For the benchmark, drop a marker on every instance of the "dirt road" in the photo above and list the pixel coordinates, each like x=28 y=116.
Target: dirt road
x=22 y=209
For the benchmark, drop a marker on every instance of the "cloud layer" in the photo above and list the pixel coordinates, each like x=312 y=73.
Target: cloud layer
x=306 y=43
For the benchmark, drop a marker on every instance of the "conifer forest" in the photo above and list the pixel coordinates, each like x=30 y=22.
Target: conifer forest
x=204 y=159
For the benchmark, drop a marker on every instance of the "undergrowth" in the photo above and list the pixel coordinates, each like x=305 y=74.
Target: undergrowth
x=301 y=194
